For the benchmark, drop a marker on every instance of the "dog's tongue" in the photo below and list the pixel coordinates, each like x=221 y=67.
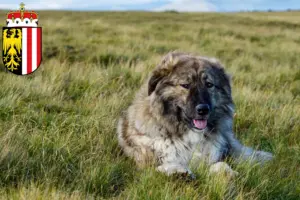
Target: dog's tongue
x=200 y=124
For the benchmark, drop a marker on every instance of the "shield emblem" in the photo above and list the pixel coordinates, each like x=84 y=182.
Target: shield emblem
x=22 y=49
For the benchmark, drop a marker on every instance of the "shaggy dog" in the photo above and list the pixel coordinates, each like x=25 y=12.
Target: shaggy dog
x=184 y=113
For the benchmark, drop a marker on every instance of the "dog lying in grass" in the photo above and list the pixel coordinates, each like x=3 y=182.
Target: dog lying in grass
x=184 y=113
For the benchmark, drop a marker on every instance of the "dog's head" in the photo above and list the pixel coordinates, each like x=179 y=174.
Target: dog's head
x=191 y=89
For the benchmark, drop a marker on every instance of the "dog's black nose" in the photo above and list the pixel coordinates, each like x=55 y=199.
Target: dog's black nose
x=202 y=109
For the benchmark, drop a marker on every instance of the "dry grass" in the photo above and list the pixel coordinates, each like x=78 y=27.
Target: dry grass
x=57 y=133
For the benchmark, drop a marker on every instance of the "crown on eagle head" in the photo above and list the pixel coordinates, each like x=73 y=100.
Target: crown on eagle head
x=22 y=18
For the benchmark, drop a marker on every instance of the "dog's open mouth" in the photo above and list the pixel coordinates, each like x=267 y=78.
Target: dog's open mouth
x=200 y=123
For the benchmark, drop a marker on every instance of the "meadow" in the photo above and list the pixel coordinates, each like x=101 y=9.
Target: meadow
x=58 y=140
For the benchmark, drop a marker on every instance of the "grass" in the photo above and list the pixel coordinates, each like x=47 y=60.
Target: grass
x=58 y=125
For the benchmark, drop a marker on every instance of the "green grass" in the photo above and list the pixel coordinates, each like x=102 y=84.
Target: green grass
x=57 y=138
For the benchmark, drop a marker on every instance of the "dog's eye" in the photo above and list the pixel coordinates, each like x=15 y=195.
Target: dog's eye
x=209 y=85
x=186 y=86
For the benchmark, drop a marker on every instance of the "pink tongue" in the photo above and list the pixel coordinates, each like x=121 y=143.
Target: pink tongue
x=200 y=124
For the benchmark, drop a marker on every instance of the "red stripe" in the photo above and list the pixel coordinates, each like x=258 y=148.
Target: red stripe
x=38 y=50
x=29 y=50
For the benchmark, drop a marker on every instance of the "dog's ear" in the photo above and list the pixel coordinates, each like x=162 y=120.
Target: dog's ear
x=155 y=78
x=153 y=81
x=161 y=71
x=224 y=78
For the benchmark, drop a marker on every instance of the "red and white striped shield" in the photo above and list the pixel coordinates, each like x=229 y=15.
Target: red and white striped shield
x=31 y=49
x=22 y=49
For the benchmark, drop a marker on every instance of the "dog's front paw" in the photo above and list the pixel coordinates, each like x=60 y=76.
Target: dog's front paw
x=170 y=169
x=222 y=168
x=263 y=156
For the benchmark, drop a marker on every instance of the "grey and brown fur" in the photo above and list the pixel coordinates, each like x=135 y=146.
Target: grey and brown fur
x=157 y=128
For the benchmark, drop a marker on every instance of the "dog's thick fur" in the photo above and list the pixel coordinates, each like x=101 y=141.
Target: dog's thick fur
x=158 y=126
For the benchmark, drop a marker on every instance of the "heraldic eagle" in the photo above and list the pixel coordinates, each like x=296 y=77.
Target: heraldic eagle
x=12 y=45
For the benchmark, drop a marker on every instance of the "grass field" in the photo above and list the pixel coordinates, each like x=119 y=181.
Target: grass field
x=57 y=138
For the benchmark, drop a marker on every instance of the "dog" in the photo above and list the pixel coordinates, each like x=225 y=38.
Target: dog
x=183 y=115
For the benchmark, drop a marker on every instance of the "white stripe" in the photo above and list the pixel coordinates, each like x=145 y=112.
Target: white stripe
x=34 y=48
x=24 y=50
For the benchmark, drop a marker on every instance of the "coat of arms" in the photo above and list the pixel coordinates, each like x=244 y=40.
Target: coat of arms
x=22 y=42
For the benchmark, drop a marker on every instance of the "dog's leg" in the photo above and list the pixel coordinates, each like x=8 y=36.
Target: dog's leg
x=173 y=159
x=222 y=168
x=172 y=168
x=240 y=152
x=243 y=153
